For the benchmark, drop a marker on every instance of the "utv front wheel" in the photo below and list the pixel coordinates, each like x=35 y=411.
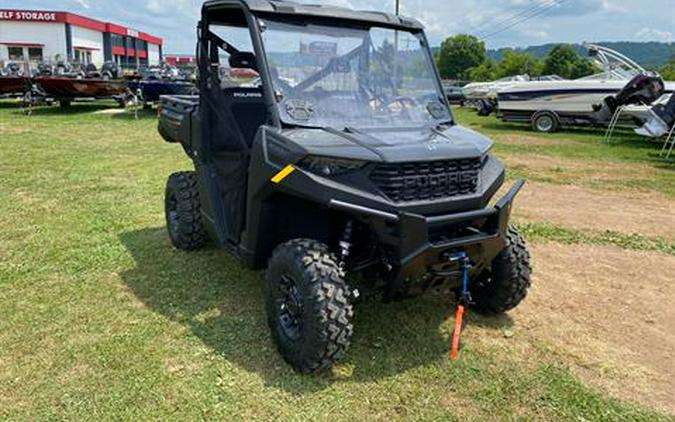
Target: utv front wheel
x=183 y=212
x=308 y=308
x=505 y=286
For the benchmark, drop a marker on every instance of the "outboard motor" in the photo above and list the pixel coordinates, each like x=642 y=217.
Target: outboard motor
x=78 y=70
x=13 y=69
x=485 y=108
x=644 y=88
x=45 y=69
x=91 y=71
x=63 y=68
x=110 y=70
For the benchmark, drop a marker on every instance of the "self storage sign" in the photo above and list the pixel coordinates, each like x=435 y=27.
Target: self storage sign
x=24 y=16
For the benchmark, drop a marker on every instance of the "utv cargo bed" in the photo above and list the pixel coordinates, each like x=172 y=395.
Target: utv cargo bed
x=177 y=117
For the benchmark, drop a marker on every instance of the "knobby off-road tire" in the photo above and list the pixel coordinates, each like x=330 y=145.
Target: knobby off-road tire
x=308 y=305
x=506 y=285
x=183 y=212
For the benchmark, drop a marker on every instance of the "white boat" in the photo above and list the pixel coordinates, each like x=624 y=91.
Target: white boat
x=551 y=104
x=483 y=95
x=477 y=91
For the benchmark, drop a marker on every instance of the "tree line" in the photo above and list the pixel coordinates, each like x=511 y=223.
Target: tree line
x=464 y=57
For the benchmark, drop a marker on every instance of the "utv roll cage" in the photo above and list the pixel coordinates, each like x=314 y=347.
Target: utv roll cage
x=226 y=129
x=245 y=14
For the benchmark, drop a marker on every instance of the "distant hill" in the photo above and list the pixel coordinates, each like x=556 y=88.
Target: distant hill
x=647 y=54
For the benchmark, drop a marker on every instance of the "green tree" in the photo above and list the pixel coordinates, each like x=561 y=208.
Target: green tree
x=513 y=63
x=667 y=71
x=483 y=72
x=458 y=54
x=564 y=61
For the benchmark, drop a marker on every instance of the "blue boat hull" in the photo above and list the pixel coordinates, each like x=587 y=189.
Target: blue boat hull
x=151 y=90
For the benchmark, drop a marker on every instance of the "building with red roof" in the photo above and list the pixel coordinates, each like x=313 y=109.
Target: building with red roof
x=32 y=36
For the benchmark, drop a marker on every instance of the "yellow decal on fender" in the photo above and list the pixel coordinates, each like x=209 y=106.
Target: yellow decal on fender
x=279 y=177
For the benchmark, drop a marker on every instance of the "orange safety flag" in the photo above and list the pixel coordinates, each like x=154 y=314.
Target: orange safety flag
x=454 y=351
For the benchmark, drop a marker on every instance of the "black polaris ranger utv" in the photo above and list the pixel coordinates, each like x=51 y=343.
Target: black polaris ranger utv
x=325 y=151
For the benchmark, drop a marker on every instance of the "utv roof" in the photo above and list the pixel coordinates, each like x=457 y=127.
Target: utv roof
x=289 y=8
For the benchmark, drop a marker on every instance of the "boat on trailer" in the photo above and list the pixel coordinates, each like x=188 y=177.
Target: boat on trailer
x=548 y=105
x=13 y=81
x=157 y=81
x=66 y=84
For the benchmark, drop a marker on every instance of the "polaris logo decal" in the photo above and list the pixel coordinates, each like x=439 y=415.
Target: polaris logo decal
x=247 y=95
x=436 y=181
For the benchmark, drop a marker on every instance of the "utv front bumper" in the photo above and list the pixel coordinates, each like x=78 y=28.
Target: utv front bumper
x=421 y=246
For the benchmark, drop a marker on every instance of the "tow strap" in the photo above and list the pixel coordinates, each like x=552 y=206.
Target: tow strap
x=464 y=301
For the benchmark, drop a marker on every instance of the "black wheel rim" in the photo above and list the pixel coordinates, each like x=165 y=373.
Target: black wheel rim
x=172 y=214
x=289 y=308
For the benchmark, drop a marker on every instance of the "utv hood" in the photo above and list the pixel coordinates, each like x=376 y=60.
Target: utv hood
x=392 y=145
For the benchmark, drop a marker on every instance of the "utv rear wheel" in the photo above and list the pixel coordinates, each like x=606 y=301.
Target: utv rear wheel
x=505 y=286
x=308 y=307
x=183 y=212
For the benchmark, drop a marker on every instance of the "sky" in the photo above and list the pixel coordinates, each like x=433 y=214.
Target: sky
x=501 y=23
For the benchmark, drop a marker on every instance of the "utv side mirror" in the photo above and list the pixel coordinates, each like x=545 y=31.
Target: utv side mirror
x=243 y=60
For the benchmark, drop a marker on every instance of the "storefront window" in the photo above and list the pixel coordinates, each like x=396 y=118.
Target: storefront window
x=83 y=56
x=15 y=53
x=35 y=54
x=117 y=40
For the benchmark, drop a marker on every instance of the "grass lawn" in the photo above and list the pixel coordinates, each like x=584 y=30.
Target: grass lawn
x=101 y=318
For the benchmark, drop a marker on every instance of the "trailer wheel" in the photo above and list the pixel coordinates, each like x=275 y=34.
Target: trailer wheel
x=183 y=212
x=65 y=103
x=505 y=286
x=308 y=305
x=545 y=121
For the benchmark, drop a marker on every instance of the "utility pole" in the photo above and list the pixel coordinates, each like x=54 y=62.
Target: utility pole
x=395 y=70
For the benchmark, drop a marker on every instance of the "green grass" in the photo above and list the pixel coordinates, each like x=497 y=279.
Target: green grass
x=625 y=146
x=636 y=242
x=102 y=319
x=585 y=145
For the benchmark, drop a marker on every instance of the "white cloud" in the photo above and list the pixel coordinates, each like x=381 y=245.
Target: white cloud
x=83 y=3
x=155 y=6
x=536 y=33
x=572 y=21
x=613 y=6
x=652 y=34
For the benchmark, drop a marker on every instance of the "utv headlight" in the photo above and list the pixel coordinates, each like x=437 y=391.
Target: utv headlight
x=326 y=166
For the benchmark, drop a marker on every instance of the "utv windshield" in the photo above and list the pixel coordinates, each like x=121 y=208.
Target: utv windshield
x=341 y=77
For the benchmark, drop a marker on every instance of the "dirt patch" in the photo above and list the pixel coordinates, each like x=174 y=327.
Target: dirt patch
x=13 y=130
x=588 y=171
x=605 y=311
x=530 y=140
x=648 y=214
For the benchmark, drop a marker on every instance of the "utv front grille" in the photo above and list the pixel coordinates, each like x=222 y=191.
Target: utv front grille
x=424 y=181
